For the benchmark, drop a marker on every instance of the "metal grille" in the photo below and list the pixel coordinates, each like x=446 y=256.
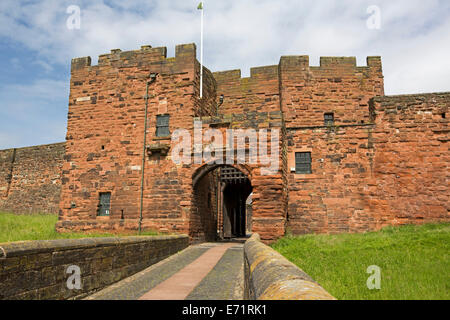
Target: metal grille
x=303 y=162
x=105 y=204
x=162 y=125
x=329 y=119
x=232 y=175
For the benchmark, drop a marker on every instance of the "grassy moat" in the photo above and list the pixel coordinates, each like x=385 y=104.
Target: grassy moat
x=414 y=262
x=42 y=227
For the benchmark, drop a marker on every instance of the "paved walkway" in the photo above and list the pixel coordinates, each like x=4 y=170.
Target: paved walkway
x=209 y=271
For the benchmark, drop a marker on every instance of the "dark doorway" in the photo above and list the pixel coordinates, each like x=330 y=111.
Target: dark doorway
x=236 y=188
x=234 y=210
x=220 y=204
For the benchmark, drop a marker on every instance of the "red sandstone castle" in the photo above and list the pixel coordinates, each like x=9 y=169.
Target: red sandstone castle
x=351 y=159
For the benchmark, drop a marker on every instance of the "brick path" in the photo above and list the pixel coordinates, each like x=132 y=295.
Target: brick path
x=209 y=271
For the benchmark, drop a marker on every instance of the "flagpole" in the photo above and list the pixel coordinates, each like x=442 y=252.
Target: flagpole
x=201 y=54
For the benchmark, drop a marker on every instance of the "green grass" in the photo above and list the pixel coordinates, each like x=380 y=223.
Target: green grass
x=42 y=227
x=414 y=262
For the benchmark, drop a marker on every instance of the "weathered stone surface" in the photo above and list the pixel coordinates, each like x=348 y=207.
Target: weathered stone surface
x=384 y=160
x=30 y=179
x=37 y=269
x=270 y=276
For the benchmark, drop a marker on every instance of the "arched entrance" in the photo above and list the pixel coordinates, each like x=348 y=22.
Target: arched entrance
x=219 y=205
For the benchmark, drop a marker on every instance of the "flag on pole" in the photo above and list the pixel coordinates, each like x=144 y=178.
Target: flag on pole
x=200 y=7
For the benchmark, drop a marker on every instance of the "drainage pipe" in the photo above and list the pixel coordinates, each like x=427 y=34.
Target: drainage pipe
x=152 y=78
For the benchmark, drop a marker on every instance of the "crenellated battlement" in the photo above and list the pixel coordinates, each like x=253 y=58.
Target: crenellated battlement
x=131 y=57
x=302 y=62
x=434 y=104
x=256 y=73
x=332 y=61
x=146 y=55
x=229 y=75
x=264 y=72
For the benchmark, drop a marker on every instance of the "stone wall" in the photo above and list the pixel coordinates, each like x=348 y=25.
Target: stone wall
x=203 y=221
x=390 y=171
x=105 y=142
x=7 y=159
x=269 y=190
x=38 y=270
x=30 y=179
x=411 y=173
x=337 y=86
x=105 y=139
x=257 y=93
x=270 y=276
x=333 y=198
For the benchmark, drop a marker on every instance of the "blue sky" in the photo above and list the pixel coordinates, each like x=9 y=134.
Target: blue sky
x=36 y=46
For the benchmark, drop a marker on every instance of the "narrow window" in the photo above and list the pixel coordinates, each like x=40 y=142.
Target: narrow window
x=303 y=163
x=329 y=119
x=104 y=206
x=162 y=125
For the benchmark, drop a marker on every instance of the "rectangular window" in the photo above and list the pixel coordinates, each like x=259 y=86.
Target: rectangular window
x=104 y=206
x=329 y=119
x=303 y=163
x=162 y=125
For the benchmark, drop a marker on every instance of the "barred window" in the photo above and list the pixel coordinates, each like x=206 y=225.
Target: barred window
x=329 y=119
x=162 y=125
x=303 y=163
x=104 y=206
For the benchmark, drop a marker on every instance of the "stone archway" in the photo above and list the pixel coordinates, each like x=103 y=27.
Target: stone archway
x=219 y=202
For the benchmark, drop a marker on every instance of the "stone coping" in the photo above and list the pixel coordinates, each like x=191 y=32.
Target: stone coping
x=19 y=248
x=270 y=276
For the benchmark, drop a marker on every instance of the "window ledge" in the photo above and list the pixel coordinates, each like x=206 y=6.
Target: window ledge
x=305 y=176
x=162 y=138
x=158 y=147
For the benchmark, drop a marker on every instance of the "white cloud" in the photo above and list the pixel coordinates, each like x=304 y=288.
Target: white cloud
x=241 y=34
x=414 y=39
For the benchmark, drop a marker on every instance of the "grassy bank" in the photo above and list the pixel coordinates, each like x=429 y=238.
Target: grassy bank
x=41 y=227
x=414 y=261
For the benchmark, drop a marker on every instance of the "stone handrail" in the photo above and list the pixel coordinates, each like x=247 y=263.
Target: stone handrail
x=270 y=276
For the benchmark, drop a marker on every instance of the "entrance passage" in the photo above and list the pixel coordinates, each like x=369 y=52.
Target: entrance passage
x=222 y=206
x=236 y=190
